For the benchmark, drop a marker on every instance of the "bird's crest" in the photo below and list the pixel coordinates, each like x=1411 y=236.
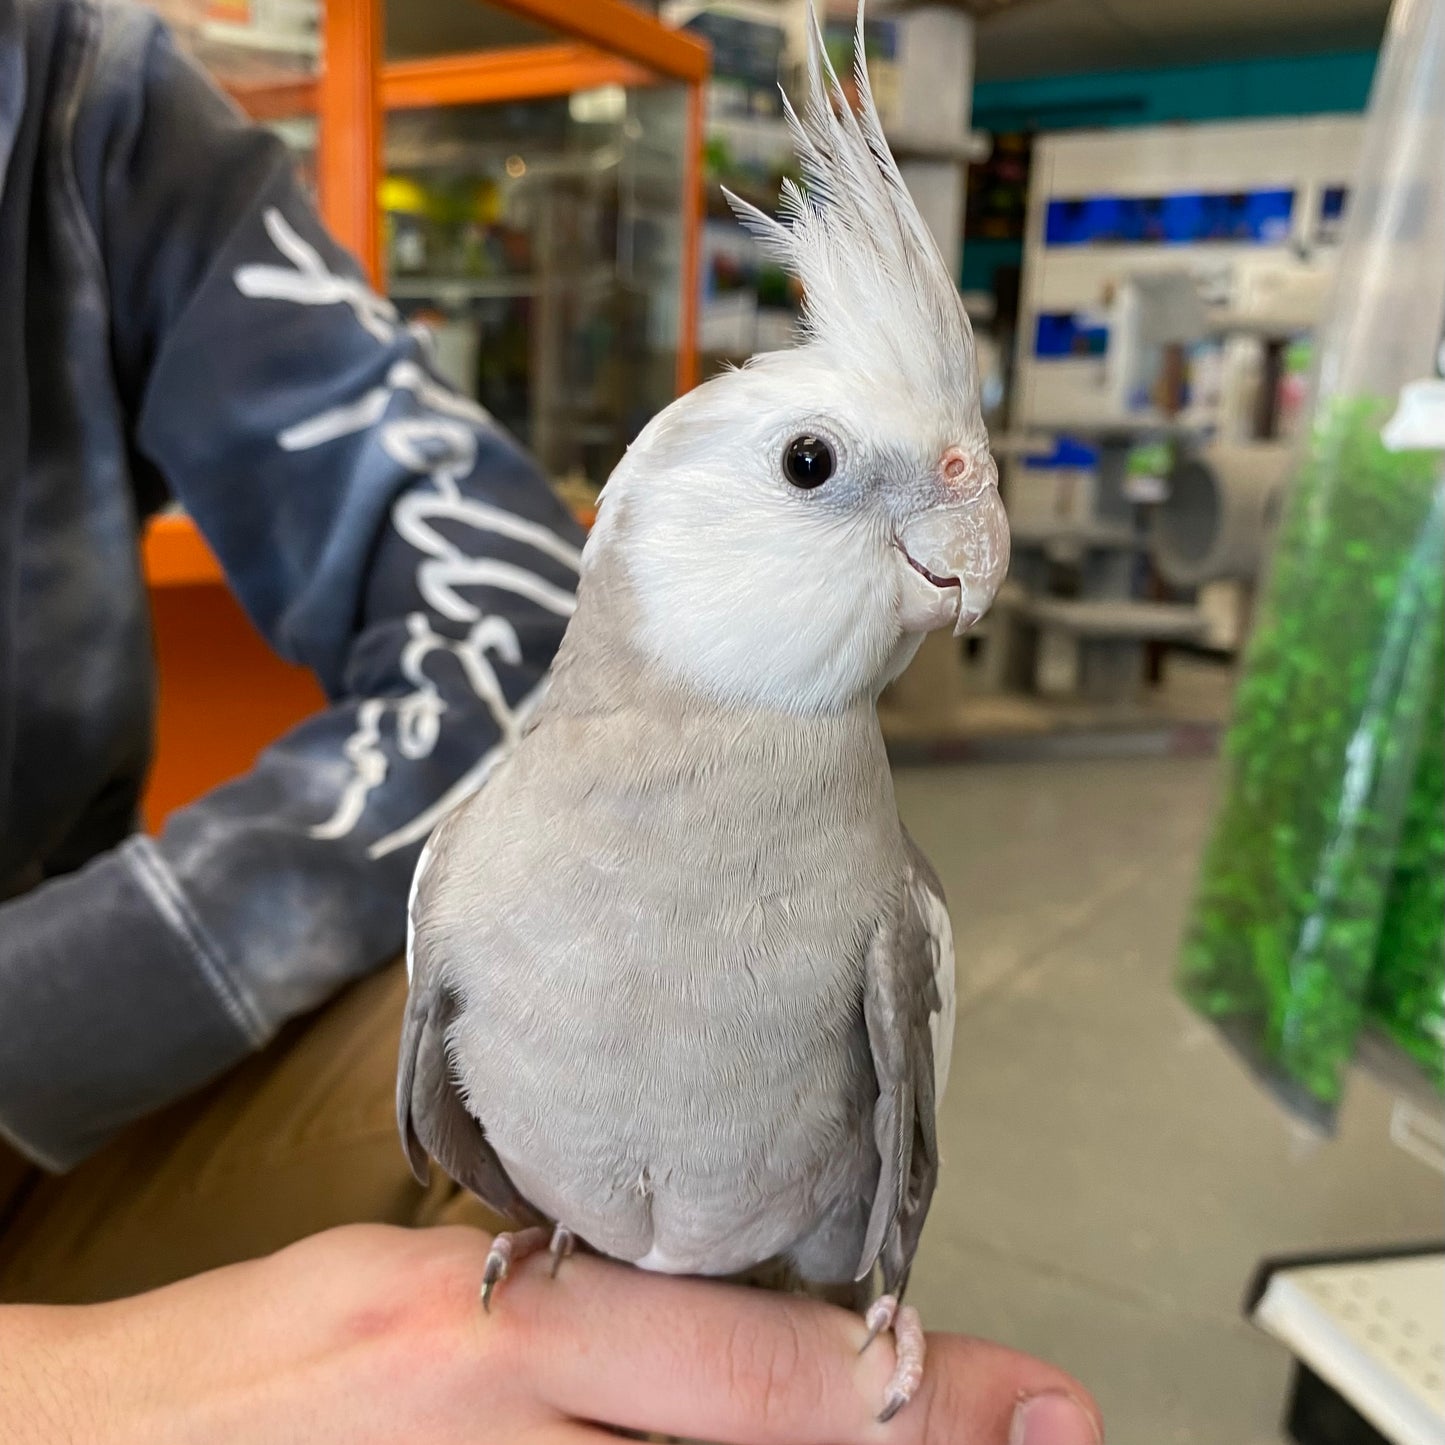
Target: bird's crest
x=875 y=286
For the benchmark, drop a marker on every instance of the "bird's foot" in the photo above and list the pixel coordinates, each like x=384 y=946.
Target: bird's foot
x=513 y=1248
x=886 y=1313
x=508 y=1249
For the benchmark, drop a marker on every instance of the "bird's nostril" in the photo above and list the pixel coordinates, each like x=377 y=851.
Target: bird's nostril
x=955 y=465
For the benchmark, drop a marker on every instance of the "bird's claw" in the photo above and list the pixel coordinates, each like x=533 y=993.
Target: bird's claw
x=886 y=1313
x=499 y=1261
x=892 y=1404
x=507 y=1249
x=494 y=1271
x=879 y=1318
x=563 y=1243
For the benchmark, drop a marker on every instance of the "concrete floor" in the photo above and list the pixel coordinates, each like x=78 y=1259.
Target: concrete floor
x=1111 y=1174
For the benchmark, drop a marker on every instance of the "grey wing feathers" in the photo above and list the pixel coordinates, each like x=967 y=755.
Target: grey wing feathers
x=430 y=1113
x=908 y=1008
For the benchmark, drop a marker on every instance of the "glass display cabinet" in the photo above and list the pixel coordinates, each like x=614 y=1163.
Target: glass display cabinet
x=533 y=216
x=522 y=176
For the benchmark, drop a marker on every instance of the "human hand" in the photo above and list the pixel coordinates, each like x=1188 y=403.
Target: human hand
x=371 y=1334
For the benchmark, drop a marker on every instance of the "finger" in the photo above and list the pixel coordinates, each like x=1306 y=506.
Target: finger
x=567 y=1432
x=963 y=1382
x=741 y=1367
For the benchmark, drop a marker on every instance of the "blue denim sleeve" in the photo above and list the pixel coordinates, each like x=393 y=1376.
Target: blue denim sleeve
x=378 y=529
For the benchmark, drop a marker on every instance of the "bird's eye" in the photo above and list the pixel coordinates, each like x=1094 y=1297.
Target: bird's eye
x=808 y=461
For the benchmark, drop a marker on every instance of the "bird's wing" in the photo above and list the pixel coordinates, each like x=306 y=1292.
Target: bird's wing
x=430 y=1113
x=908 y=1005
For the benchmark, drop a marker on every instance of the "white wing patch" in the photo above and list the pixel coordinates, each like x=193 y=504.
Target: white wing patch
x=421 y=866
x=940 y=934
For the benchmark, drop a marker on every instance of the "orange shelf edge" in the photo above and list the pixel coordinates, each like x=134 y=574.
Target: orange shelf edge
x=267 y=100
x=176 y=555
x=349 y=147
x=622 y=29
x=531 y=73
x=693 y=206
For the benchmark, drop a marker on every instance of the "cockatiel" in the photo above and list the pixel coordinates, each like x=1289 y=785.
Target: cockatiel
x=681 y=985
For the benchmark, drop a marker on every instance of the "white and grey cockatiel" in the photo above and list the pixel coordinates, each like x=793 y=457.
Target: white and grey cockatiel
x=681 y=986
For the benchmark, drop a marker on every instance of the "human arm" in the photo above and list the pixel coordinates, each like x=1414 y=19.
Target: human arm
x=378 y=529
x=372 y=1334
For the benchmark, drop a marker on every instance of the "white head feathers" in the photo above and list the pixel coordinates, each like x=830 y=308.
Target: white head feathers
x=750 y=585
x=876 y=289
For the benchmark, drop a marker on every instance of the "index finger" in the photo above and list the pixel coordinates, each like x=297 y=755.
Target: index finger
x=738 y=1366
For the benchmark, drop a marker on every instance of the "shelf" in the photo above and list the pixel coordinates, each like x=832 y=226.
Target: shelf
x=1279 y=327
x=624 y=30
x=492 y=77
x=1127 y=427
x=488 y=158
x=483 y=288
x=1095 y=536
x=1112 y=618
x=176 y=555
x=975 y=146
x=974 y=9
x=305 y=43
x=461 y=288
x=1372 y=1330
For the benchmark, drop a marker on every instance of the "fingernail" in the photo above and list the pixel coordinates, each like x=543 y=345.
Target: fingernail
x=1053 y=1419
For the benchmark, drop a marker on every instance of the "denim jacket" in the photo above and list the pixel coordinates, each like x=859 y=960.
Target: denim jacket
x=175 y=326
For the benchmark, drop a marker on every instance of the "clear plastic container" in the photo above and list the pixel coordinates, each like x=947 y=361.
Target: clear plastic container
x=1317 y=910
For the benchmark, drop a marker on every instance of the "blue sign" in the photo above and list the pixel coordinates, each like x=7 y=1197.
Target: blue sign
x=1182 y=219
x=1067 y=452
x=1061 y=333
x=1332 y=213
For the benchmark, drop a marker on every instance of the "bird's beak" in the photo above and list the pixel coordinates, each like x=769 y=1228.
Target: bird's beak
x=957 y=551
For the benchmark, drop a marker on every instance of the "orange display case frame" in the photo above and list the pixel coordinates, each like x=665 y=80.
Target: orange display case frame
x=223 y=693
